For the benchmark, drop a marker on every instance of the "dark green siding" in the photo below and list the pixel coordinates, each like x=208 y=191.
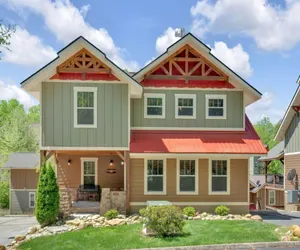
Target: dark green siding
x=235 y=111
x=58 y=116
x=292 y=136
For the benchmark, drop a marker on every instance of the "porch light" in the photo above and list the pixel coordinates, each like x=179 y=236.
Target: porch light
x=111 y=162
x=122 y=163
x=69 y=162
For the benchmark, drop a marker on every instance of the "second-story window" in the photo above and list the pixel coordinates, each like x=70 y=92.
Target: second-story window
x=154 y=105
x=185 y=106
x=215 y=106
x=85 y=107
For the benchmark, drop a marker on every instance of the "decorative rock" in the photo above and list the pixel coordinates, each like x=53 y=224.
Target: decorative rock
x=115 y=222
x=204 y=214
x=95 y=217
x=75 y=222
x=277 y=230
x=121 y=216
x=248 y=216
x=190 y=218
x=19 y=238
x=57 y=229
x=296 y=232
x=294 y=227
x=136 y=217
x=2 y=247
x=185 y=216
x=32 y=230
x=256 y=218
x=285 y=238
x=198 y=217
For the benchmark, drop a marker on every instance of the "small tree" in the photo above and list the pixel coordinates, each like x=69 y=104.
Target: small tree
x=47 y=207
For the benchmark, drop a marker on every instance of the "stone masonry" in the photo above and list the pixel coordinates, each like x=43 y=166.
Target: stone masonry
x=112 y=200
x=64 y=202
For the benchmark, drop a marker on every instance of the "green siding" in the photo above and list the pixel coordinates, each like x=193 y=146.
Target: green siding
x=19 y=202
x=292 y=136
x=235 y=111
x=58 y=116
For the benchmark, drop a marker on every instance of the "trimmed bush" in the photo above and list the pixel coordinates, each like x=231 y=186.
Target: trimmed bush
x=222 y=210
x=189 y=211
x=47 y=205
x=111 y=214
x=164 y=220
x=4 y=194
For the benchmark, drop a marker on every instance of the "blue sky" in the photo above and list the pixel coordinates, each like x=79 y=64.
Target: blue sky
x=258 y=39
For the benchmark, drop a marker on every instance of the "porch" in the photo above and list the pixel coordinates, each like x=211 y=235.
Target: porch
x=91 y=181
x=274 y=181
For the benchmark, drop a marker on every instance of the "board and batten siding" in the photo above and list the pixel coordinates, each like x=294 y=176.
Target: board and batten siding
x=234 y=119
x=292 y=136
x=23 y=179
x=58 y=116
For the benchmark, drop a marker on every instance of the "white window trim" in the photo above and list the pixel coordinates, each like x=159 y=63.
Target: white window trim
x=153 y=95
x=30 y=193
x=210 y=192
x=85 y=89
x=164 y=192
x=178 y=192
x=269 y=200
x=96 y=168
x=187 y=96
x=216 y=96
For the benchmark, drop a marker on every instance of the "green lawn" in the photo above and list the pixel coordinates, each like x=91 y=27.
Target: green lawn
x=129 y=236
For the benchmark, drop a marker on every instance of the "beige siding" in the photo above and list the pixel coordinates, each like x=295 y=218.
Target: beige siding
x=239 y=187
x=291 y=162
x=24 y=179
x=279 y=198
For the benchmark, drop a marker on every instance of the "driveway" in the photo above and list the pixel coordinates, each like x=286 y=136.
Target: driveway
x=10 y=226
x=280 y=218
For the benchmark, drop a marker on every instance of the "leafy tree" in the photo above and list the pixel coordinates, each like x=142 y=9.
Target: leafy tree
x=34 y=114
x=267 y=131
x=5 y=35
x=47 y=207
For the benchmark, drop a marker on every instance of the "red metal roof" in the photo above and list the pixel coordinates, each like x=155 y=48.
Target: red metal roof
x=191 y=84
x=202 y=142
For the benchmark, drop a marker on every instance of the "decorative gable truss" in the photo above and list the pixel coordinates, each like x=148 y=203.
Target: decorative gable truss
x=83 y=66
x=186 y=68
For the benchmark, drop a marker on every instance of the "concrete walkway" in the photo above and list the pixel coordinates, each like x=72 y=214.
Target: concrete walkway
x=10 y=226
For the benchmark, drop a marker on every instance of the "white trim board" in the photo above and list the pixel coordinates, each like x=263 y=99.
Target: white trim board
x=199 y=156
x=163 y=107
x=190 y=128
x=193 y=89
x=227 y=192
x=196 y=203
x=24 y=189
x=196 y=175
x=85 y=148
x=91 y=159
x=293 y=153
x=209 y=97
x=186 y=96
x=269 y=195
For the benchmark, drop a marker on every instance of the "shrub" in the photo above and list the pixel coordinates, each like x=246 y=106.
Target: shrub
x=189 y=211
x=111 y=214
x=4 y=194
x=222 y=210
x=47 y=205
x=164 y=220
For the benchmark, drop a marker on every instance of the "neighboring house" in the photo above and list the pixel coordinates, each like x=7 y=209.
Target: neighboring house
x=176 y=130
x=289 y=132
x=23 y=181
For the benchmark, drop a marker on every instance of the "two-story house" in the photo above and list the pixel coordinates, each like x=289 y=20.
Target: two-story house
x=289 y=133
x=174 y=131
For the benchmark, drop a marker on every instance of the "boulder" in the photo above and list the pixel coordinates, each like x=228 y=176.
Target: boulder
x=198 y=217
x=19 y=238
x=2 y=247
x=286 y=238
x=277 y=230
x=32 y=230
x=95 y=217
x=294 y=227
x=296 y=232
x=115 y=222
x=136 y=217
x=256 y=218
x=204 y=214
x=185 y=216
x=75 y=222
x=122 y=216
x=248 y=216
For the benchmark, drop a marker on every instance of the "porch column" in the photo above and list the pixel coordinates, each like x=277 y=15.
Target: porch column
x=127 y=165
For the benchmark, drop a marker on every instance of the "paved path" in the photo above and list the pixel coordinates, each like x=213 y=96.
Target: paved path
x=280 y=218
x=10 y=226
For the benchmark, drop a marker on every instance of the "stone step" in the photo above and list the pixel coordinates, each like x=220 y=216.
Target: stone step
x=85 y=210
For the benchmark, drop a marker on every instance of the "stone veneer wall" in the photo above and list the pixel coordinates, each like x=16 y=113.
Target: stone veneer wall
x=65 y=202
x=112 y=200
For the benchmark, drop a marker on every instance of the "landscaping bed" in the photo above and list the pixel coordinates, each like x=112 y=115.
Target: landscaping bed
x=196 y=232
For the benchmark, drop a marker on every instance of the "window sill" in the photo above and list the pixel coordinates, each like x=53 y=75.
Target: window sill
x=155 y=193
x=215 y=118
x=219 y=193
x=185 y=117
x=154 y=117
x=85 y=126
x=187 y=193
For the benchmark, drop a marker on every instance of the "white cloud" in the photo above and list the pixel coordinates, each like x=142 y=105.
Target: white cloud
x=265 y=108
x=9 y=91
x=272 y=27
x=235 y=58
x=67 y=22
x=27 y=49
x=165 y=40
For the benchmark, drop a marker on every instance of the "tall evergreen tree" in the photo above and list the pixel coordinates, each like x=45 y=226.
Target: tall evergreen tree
x=47 y=205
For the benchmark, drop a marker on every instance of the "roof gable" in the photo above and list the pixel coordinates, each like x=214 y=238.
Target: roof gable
x=66 y=55
x=251 y=94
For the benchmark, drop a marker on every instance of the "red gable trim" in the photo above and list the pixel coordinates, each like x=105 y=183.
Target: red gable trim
x=200 y=142
x=84 y=77
x=190 y=84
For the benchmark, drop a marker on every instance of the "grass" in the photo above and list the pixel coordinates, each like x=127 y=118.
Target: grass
x=3 y=211
x=129 y=236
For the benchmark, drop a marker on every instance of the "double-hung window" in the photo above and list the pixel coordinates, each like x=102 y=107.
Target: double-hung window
x=185 y=106
x=154 y=105
x=219 y=177
x=89 y=171
x=272 y=197
x=187 y=177
x=31 y=199
x=155 y=176
x=85 y=107
x=215 y=106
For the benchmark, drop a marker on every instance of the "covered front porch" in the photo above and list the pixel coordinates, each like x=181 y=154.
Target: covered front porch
x=91 y=181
